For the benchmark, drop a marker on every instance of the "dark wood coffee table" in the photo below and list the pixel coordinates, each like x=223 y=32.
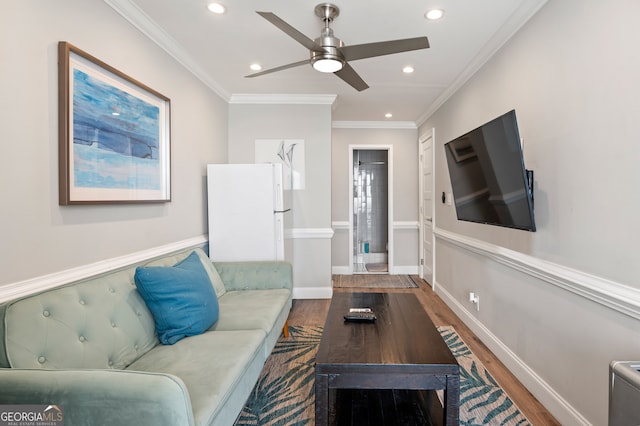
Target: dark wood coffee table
x=401 y=350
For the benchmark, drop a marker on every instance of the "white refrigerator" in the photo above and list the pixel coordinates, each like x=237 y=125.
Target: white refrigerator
x=248 y=212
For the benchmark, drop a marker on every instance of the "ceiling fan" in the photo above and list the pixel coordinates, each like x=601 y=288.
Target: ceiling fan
x=329 y=54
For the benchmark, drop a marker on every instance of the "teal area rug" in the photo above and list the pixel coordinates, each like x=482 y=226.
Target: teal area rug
x=284 y=394
x=482 y=400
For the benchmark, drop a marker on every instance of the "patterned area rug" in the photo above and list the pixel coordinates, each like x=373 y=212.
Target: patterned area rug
x=482 y=400
x=373 y=281
x=284 y=394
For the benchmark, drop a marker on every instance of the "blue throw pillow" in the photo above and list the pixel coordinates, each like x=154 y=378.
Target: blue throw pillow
x=181 y=298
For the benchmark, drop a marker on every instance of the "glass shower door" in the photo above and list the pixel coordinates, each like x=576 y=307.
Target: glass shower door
x=370 y=211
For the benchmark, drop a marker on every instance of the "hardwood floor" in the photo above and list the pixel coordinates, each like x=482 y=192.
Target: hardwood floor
x=314 y=312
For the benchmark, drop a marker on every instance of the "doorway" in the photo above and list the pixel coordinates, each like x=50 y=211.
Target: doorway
x=370 y=215
x=427 y=211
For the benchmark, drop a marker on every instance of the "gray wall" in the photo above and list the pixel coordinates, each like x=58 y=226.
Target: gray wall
x=559 y=304
x=405 y=192
x=311 y=235
x=39 y=237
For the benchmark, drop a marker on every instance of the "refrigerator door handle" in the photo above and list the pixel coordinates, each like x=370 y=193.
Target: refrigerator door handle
x=281 y=211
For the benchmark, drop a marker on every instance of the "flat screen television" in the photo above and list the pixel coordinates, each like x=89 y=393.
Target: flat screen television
x=489 y=181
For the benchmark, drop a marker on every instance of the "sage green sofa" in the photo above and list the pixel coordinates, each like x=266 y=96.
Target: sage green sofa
x=91 y=347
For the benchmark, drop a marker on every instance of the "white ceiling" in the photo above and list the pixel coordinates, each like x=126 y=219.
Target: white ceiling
x=220 y=48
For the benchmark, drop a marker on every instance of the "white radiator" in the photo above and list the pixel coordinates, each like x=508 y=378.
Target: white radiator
x=624 y=393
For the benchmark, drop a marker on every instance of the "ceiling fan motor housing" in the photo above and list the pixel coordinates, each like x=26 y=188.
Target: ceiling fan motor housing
x=327 y=12
x=330 y=44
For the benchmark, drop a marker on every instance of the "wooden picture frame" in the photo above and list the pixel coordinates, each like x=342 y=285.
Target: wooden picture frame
x=114 y=134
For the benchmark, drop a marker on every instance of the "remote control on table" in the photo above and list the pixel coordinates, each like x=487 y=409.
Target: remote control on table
x=360 y=317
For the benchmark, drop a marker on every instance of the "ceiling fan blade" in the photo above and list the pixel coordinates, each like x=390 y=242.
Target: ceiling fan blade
x=351 y=77
x=280 y=68
x=370 y=50
x=291 y=32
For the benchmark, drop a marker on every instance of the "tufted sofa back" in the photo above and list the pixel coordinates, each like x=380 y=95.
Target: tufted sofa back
x=96 y=323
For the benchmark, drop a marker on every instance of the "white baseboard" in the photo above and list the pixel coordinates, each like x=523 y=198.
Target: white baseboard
x=405 y=270
x=340 y=270
x=557 y=406
x=312 y=292
x=38 y=284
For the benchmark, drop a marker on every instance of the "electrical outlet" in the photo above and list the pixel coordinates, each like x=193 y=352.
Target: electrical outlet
x=475 y=299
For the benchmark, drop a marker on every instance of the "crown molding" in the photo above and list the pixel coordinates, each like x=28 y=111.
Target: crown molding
x=374 y=125
x=132 y=13
x=283 y=99
x=517 y=19
x=140 y=20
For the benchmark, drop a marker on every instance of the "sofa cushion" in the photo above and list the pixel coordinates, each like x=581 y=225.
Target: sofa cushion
x=219 y=370
x=251 y=309
x=181 y=298
x=214 y=276
x=212 y=271
x=100 y=322
x=255 y=309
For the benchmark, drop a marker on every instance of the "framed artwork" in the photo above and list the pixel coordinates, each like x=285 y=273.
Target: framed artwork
x=114 y=134
x=290 y=153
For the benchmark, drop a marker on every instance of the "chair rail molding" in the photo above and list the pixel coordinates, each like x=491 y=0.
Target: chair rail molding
x=38 y=284
x=309 y=233
x=614 y=295
x=409 y=224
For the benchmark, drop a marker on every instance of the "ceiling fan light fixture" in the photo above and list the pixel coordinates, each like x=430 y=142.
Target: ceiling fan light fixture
x=327 y=65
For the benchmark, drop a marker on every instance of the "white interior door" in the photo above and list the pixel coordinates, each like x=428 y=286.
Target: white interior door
x=426 y=209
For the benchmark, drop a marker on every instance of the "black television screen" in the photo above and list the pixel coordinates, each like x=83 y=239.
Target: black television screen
x=489 y=181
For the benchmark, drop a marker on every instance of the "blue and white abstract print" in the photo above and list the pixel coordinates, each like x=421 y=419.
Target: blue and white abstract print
x=116 y=137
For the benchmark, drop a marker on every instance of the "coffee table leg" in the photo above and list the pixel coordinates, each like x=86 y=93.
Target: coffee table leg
x=452 y=400
x=322 y=400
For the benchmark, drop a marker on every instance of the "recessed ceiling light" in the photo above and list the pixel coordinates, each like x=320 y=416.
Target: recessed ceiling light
x=388 y=115
x=217 y=8
x=434 y=14
x=255 y=67
x=408 y=69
